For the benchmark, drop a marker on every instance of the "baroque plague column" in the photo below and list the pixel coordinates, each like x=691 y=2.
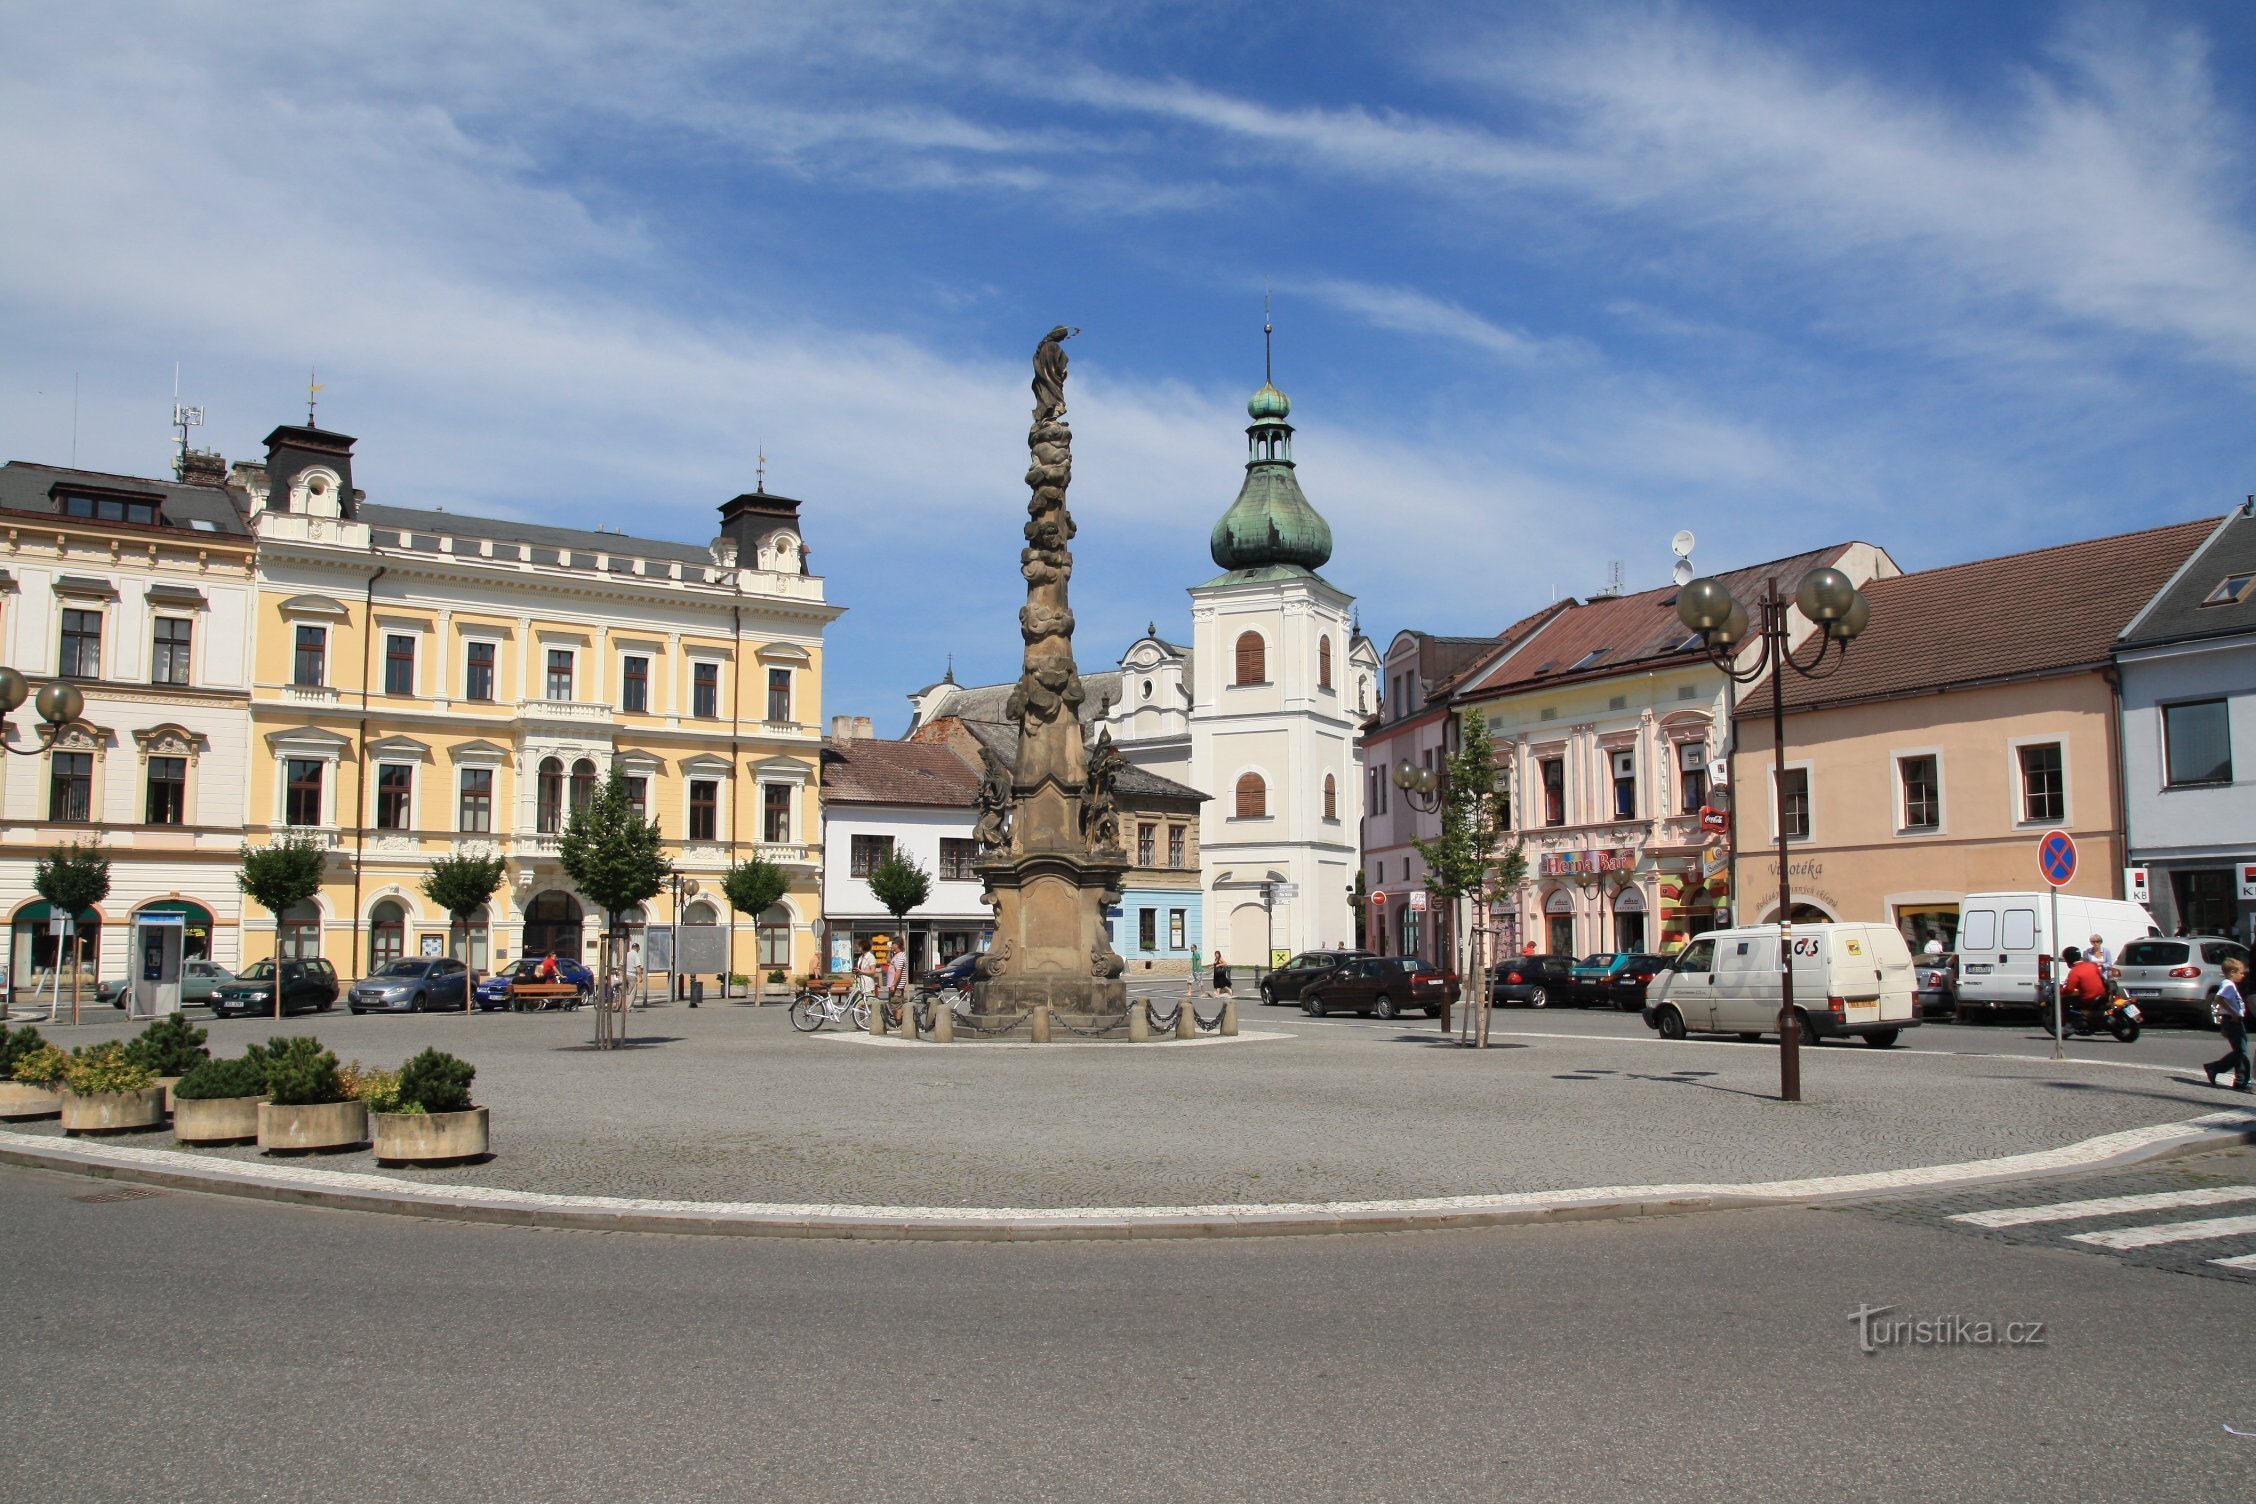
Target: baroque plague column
x=1053 y=861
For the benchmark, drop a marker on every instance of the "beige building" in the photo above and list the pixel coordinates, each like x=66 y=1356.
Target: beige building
x=1977 y=711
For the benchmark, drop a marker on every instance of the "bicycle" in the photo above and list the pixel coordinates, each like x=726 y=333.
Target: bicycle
x=958 y=1000
x=820 y=1004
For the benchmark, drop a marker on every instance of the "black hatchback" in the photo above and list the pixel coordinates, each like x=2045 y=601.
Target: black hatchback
x=1538 y=981
x=1285 y=983
x=306 y=986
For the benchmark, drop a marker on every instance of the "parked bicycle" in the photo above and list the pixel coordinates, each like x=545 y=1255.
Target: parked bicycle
x=820 y=1003
x=926 y=998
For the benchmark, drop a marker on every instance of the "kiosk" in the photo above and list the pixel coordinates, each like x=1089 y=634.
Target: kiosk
x=157 y=943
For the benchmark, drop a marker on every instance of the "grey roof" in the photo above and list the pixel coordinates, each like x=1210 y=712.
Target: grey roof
x=431 y=524
x=24 y=487
x=1001 y=738
x=2176 y=614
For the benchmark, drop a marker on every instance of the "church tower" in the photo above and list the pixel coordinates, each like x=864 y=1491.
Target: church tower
x=1275 y=714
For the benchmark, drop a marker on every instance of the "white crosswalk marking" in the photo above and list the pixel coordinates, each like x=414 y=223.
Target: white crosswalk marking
x=2105 y=1206
x=2166 y=1232
x=2245 y=1261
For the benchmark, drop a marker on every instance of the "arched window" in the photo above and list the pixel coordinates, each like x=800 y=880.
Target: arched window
x=1253 y=798
x=1253 y=659
x=1323 y=663
x=1331 y=797
x=583 y=784
x=387 y=934
x=550 y=815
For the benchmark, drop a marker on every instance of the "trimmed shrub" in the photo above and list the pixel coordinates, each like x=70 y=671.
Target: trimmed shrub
x=43 y=1065
x=242 y=1077
x=101 y=1068
x=380 y=1089
x=435 y=1081
x=14 y=1045
x=168 y=1047
x=300 y=1073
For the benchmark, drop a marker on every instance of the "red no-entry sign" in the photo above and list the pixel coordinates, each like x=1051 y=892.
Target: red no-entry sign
x=2056 y=858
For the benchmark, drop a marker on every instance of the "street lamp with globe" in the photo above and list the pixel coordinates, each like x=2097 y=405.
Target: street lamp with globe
x=58 y=704
x=1831 y=603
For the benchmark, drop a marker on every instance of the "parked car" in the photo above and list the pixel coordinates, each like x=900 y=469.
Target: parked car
x=1591 y=979
x=1937 y=979
x=198 y=979
x=109 y=990
x=958 y=972
x=413 y=984
x=493 y=991
x=1848 y=979
x=1538 y=981
x=1627 y=987
x=1382 y=986
x=2172 y=980
x=306 y=985
x=1285 y=983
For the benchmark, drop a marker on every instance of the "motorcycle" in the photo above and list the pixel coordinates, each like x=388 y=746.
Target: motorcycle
x=2121 y=1018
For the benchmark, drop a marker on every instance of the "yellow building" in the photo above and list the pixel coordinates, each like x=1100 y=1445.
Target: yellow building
x=428 y=683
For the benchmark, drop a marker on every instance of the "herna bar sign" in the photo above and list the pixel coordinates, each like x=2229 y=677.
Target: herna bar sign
x=1586 y=863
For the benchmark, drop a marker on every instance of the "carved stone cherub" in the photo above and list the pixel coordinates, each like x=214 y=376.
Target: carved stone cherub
x=993 y=802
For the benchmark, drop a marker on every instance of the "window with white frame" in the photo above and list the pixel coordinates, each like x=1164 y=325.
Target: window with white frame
x=1794 y=804
x=1919 y=785
x=395 y=796
x=2044 y=783
x=1624 y=767
x=1691 y=777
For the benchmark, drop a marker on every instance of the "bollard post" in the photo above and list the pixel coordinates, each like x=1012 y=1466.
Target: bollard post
x=696 y=991
x=1229 y=1020
x=1139 y=1020
x=943 y=1022
x=877 y=1017
x=1186 y=1021
x=1041 y=1023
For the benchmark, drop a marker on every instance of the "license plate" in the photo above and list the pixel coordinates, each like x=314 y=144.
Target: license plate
x=1981 y=970
x=2131 y=1012
x=2146 y=992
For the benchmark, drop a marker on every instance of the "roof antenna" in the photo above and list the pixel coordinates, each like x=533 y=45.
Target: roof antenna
x=1267 y=328
x=313 y=391
x=183 y=418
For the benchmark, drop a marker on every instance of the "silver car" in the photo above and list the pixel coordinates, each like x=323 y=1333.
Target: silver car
x=2172 y=980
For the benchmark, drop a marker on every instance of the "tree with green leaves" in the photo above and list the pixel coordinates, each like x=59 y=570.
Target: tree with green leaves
x=1470 y=854
x=462 y=885
x=279 y=877
x=752 y=888
x=72 y=878
x=900 y=884
x=613 y=856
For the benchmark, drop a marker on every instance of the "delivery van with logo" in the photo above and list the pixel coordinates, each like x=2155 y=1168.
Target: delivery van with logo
x=1849 y=979
x=2000 y=936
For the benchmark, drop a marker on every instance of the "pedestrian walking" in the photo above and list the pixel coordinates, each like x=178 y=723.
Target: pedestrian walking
x=896 y=969
x=1192 y=989
x=2232 y=1020
x=1221 y=975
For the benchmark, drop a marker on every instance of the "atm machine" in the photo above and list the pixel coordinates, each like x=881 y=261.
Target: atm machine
x=158 y=941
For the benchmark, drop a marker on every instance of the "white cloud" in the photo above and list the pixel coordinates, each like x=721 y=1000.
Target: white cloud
x=1406 y=310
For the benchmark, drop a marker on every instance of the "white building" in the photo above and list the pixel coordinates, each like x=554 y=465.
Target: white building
x=915 y=798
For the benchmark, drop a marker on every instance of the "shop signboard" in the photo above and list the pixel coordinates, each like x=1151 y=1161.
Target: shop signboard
x=2134 y=884
x=1586 y=863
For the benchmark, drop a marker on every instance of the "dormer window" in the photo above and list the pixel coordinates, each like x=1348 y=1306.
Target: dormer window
x=142 y=511
x=2231 y=590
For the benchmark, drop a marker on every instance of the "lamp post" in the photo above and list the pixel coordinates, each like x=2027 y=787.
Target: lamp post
x=58 y=704
x=1839 y=611
x=1428 y=789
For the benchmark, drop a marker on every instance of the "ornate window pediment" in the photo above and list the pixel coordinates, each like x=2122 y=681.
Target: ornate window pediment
x=319 y=606
x=169 y=740
x=80 y=736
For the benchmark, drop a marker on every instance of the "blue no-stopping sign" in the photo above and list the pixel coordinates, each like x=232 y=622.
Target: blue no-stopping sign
x=2056 y=857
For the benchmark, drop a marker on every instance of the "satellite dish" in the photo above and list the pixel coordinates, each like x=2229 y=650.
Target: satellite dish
x=1682 y=573
x=1681 y=544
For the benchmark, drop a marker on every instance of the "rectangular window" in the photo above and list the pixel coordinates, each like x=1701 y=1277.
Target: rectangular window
x=395 y=789
x=309 y=665
x=82 y=645
x=705 y=690
x=1691 y=777
x=2020 y=929
x=168 y=791
x=779 y=695
x=775 y=813
x=1922 y=793
x=865 y=852
x=1625 y=785
x=1147 y=929
x=1175 y=838
x=399 y=663
x=477 y=800
x=168 y=655
x=2044 y=793
x=1147 y=844
x=2196 y=744
x=1176 y=928
x=638 y=795
x=634 y=684
x=70 y=793
x=1554 y=771
x=1794 y=804
x=956 y=857
x=478 y=671
x=560 y=673
x=301 y=801
x=704 y=808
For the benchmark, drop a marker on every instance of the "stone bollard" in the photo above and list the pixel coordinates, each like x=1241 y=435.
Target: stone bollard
x=1041 y=1023
x=1186 y=1021
x=1229 y=1020
x=943 y=1022
x=877 y=1018
x=1139 y=1020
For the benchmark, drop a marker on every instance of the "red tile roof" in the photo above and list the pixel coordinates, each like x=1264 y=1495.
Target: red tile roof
x=2050 y=610
x=876 y=772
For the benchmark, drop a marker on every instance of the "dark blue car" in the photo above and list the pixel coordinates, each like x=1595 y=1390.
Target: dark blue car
x=412 y=986
x=493 y=992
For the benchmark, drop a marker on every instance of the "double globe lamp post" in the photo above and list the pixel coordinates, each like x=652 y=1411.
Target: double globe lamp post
x=1839 y=612
x=1427 y=789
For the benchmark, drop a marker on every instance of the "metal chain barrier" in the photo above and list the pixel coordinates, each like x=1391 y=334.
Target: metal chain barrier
x=1206 y=1025
x=1165 y=1023
x=1098 y=1033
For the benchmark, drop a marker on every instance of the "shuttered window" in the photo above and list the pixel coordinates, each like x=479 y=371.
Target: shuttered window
x=1253 y=798
x=1253 y=661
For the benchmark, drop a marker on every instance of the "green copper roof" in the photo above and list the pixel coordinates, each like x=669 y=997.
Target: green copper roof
x=1271 y=523
x=1269 y=403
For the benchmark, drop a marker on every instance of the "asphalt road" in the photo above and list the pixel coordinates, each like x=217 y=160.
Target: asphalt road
x=169 y=1346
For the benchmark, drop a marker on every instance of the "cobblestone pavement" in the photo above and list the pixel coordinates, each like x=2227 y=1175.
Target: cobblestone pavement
x=2195 y=1215
x=728 y=1103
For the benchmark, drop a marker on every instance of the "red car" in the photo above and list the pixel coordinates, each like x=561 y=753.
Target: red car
x=1381 y=986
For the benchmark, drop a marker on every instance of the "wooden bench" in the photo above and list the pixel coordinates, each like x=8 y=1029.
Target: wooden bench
x=534 y=997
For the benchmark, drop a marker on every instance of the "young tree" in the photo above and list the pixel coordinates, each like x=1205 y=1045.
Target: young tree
x=1468 y=854
x=752 y=888
x=280 y=877
x=900 y=884
x=614 y=856
x=72 y=879
x=462 y=885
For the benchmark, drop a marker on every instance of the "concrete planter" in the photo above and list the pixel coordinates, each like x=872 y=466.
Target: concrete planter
x=18 y=1100
x=430 y=1138
x=216 y=1120
x=112 y=1111
x=167 y=1083
x=305 y=1129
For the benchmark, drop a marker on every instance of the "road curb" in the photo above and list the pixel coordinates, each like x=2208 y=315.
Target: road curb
x=350 y=1190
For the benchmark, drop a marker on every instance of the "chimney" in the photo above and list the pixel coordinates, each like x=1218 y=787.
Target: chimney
x=865 y=729
x=200 y=467
x=841 y=728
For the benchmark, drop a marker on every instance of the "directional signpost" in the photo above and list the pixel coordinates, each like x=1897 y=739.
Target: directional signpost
x=2056 y=863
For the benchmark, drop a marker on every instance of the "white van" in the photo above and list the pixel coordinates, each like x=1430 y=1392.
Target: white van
x=1848 y=979
x=2000 y=936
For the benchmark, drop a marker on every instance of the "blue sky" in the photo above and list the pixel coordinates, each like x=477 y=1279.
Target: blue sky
x=1551 y=281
